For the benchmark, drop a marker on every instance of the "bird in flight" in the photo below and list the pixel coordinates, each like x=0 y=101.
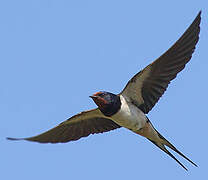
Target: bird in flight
x=129 y=108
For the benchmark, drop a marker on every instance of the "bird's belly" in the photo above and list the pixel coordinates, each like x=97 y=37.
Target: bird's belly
x=130 y=117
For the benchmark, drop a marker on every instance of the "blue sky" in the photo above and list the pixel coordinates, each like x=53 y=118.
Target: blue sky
x=54 y=54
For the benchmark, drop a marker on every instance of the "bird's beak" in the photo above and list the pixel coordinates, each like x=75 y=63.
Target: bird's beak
x=93 y=97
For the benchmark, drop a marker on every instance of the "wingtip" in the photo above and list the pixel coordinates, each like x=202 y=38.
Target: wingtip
x=198 y=17
x=200 y=12
x=14 y=139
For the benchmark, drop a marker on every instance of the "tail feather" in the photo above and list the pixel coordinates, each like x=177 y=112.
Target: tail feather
x=167 y=143
x=162 y=147
x=156 y=138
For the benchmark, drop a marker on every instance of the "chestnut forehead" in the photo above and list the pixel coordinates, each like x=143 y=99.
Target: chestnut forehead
x=98 y=93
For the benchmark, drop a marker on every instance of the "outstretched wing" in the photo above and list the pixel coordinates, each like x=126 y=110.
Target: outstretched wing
x=80 y=125
x=147 y=86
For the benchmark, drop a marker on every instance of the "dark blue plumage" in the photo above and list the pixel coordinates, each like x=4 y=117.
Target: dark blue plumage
x=107 y=102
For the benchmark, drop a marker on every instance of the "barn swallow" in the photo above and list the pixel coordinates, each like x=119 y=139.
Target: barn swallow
x=129 y=108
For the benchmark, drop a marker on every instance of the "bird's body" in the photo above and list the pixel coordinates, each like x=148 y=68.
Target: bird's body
x=129 y=108
x=129 y=116
x=132 y=118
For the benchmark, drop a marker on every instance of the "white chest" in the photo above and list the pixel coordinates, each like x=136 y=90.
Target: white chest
x=129 y=116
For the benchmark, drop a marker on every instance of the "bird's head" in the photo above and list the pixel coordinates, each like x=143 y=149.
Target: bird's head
x=108 y=103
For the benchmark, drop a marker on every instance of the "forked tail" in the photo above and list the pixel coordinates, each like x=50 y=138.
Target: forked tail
x=164 y=143
x=156 y=138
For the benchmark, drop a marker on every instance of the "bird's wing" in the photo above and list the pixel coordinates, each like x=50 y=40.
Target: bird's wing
x=147 y=86
x=80 y=125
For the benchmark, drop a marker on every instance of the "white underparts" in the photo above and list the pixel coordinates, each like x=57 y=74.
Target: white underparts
x=129 y=116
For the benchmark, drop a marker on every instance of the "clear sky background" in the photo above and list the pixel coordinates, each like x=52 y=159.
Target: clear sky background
x=54 y=54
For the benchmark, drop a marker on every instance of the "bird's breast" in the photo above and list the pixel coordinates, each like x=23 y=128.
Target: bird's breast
x=129 y=116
